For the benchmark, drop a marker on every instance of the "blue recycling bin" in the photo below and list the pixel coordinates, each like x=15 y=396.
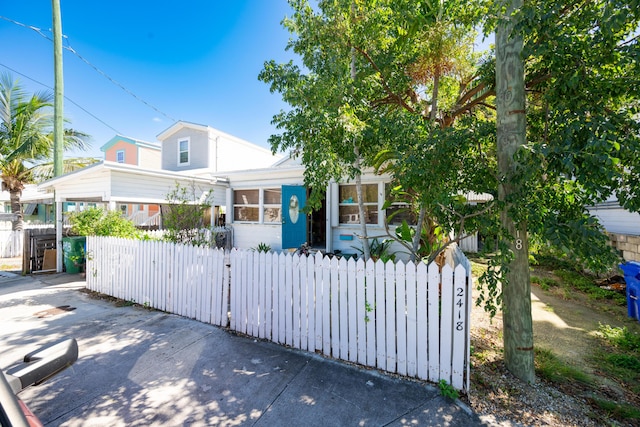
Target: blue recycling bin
x=631 y=272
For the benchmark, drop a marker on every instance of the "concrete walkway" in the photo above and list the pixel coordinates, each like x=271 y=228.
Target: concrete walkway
x=147 y=368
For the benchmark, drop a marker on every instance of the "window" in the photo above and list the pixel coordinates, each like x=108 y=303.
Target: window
x=399 y=211
x=183 y=151
x=120 y=156
x=246 y=206
x=348 y=204
x=272 y=205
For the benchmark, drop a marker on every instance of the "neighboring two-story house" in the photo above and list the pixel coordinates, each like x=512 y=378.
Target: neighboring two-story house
x=198 y=149
x=122 y=149
x=137 y=176
x=146 y=155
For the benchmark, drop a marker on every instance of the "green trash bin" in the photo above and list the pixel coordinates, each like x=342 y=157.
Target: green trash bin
x=73 y=253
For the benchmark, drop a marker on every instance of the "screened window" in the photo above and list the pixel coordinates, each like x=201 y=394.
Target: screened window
x=399 y=211
x=246 y=206
x=120 y=156
x=272 y=205
x=348 y=205
x=183 y=151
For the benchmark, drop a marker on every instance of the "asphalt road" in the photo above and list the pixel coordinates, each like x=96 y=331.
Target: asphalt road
x=139 y=367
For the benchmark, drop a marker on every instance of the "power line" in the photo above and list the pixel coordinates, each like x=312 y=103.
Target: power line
x=72 y=50
x=86 y=61
x=65 y=97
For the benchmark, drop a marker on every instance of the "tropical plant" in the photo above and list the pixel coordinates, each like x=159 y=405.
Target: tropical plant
x=26 y=138
x=379 y=250
x=262 y=247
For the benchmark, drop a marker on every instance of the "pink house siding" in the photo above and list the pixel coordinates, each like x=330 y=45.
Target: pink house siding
x=130 y=152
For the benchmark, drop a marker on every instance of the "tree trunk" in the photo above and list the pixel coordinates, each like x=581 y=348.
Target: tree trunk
x=14 y=197
x=366 y=251
x=415 y=246
x=511 y=135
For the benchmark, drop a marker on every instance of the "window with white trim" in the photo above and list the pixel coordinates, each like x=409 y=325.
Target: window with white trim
x=120 y=156
x=348 y=203
x=272 y=205
x=246 y=205
x=184 y=153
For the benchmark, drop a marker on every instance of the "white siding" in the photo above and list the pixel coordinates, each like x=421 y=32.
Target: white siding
x=129 y=186
x=247 y=236
x=89 y=186
x=615 y=219
x=149 y=158
x=238 y=155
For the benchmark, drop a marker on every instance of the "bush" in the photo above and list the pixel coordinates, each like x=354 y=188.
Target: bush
x=184 y=216
x=98 y=222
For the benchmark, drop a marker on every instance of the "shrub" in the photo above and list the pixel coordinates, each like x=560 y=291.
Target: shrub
x=98 y=222
x=183 y=217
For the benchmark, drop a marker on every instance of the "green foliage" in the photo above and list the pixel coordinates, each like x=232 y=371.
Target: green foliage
x=618 y=410
x=621 y=337
x=98 y=222
x=426 y=103
x=262 y=247
x=545 y=283
x=493 y=279
x=379 y=250
x=183 y=218
x=624 y=361
x=447 y=390
x=619 y=358
x=26 y=138
x=587 y=284
x=368 y=308
x=551 y=368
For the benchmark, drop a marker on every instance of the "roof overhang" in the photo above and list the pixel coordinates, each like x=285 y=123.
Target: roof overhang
x=117 y=182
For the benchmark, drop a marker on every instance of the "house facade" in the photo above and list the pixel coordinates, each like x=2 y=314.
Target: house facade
x=145 y=155
x=122 y=149
x=265 y=206
x=260 y=196
x=199 y=149
x=136 y=177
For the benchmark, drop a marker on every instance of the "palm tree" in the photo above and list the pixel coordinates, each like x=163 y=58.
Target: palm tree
x=26 y=138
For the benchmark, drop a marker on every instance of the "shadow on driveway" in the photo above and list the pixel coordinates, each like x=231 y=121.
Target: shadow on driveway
x=138 y=368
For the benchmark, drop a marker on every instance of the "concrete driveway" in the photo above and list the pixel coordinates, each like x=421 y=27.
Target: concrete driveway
x=139 y=368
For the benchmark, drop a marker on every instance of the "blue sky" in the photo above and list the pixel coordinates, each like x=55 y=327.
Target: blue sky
x=194 y=60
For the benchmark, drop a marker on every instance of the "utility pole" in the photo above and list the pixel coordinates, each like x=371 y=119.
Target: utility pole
x=58 y=130
x=511 y=136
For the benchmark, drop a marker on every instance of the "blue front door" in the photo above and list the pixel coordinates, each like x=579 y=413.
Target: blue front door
x=294 y=221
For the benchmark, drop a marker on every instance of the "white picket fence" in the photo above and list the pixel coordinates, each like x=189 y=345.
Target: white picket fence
x=408 y=319
x=12 y=242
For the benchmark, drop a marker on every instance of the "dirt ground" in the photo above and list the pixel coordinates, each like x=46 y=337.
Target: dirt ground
x=564 y=324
